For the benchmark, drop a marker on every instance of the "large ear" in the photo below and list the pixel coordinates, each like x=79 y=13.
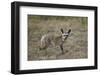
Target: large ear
x=62 y=30
x=69 y=30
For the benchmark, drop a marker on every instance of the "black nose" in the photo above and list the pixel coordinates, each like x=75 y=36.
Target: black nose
x=69 y=30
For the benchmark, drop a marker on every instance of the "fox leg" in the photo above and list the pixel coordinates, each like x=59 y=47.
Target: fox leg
x=61 y=47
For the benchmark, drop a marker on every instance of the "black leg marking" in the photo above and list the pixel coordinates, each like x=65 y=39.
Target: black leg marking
x=61 y=47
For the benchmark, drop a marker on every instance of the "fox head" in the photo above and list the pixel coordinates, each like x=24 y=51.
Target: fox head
x=65 y=34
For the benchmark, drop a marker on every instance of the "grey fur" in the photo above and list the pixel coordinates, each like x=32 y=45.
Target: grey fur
x=54 y=39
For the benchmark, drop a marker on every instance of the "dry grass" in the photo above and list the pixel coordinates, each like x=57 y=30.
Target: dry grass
x=75 y=46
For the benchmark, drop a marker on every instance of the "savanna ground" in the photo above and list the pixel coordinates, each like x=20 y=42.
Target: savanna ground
x=75 y=47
